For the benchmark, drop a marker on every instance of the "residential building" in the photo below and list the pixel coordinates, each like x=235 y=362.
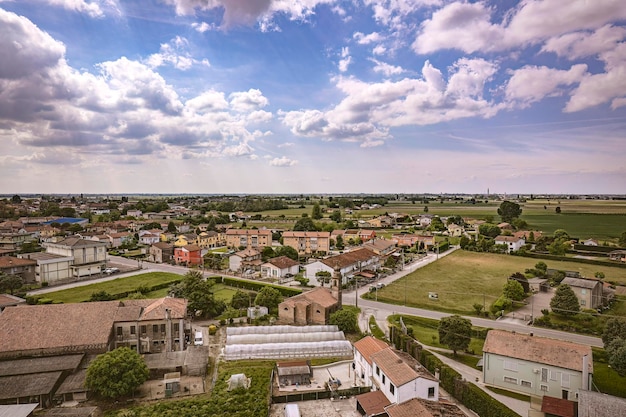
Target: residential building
x=185 y=239
x=149 y=237
x=151 y=326
x=23 y=268
x=245 y=259
x=248 y=238
x=162 y=252
x=307 y=243
x=210 y=239
x=348 y=263
x=8 y=300
x=363 y=351
x=512 y=243
x=50 y=268
x=406 y=240
x=455 y=230
x=381 y=247
x=89 y=257
x=188 y=255
x=588 y=291
x=536 y=366
x=118 y=239
x=399 y=381
x=590 y=242
x=280 y=267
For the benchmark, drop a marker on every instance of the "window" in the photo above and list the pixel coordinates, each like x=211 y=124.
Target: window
x=583 y=302
x=163 y=328
x=510 y=380
x=176 y=327
x=544 y=375
x=544 y=388
x=392 y=389
x=377 y=370
x=565 y=380
x=526 y=384
x=583 y=291
x=132 y=329
x=155 y=328
x=510 y=366
x=431 y=392
x=383 y=379
x=119 y=330
x=553 y=375
x=143 y=329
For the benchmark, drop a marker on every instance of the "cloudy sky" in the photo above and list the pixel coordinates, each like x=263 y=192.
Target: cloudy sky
x=312 y=96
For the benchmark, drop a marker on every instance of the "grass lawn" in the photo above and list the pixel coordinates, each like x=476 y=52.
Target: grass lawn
x=464 y=278
x=83 y=293
x=605 y=378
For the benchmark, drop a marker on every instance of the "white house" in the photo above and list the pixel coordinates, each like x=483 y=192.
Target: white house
x=89 y=257
x=363 y=351
x=280 y=267
x=536 y=366
x=348 y=263
x=512 y=243
x=590 y=242
x=398 y=381
x=243 y=259
x=147 y=237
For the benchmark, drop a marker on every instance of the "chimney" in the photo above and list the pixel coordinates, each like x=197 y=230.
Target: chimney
x=585 y=381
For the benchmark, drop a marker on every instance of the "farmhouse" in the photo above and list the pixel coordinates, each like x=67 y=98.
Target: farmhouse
x=512 y=243
x=588 y=291
x=536 y=366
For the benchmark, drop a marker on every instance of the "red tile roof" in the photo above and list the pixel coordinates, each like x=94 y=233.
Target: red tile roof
x=553 y=352
x=11 y=261
x=283 y=262
x=349 y=258
x=373 y=403
x=394 y=367
x=558 y=407
x=369 y=345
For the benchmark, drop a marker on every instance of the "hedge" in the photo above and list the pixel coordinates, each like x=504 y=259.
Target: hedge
x=257 y=286
x=599 y=249
x=564 y=258
x=450 y=380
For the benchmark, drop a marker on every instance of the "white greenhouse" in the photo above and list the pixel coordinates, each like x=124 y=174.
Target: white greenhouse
x=285 y=342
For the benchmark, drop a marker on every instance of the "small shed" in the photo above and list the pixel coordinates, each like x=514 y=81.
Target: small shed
x=238 y=381
x=294 y=373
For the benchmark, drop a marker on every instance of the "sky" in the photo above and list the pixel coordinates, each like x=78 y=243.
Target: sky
x=312 y=96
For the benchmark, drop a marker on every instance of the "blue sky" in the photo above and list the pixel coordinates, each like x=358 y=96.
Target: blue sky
x=312 y=96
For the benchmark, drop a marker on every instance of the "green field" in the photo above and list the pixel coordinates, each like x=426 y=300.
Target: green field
x=83 y=293
x=464 y=278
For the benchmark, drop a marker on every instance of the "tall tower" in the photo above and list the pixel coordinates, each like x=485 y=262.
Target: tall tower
x=335 y=285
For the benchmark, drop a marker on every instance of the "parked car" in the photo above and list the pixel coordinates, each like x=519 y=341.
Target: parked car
x=112 y=270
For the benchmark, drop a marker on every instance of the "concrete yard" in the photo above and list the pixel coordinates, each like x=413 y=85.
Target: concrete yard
x=320 y=408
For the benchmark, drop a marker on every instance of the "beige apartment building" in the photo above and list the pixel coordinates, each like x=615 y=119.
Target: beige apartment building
x=307 y=243
x=248 y=238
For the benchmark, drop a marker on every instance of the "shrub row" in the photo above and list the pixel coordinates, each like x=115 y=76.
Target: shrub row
x=599 y=249
x=465 y=392
x=256 y=286
x=564 y=258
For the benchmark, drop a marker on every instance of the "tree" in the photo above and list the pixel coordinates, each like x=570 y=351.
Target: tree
x=213 y=261
x=287 y=251
x=425 y=209
x=478 y=308
x=117 y=373
x=199 y=294
x=241 y=299
x=564 y=301
x=268 y=297
x=455 y=332
x=615 y=329
x=305 y=224
x=267 y=253
x=101 y=295
x=10 y=282
x=336 y=216
x=16 y=199
x=600 y=275
x=558 y=247
x=345 y=319
x=542 y=267
x=339 y=244
x=509 y=210
x=490 y=230
x=171 y=227
x=561 y=234
x=557 y=210
x=316 y=212
x=513 y=290
x=617 y=356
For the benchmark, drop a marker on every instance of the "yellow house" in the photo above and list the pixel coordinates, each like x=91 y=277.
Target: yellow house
x=184 y=240
x=209 y=239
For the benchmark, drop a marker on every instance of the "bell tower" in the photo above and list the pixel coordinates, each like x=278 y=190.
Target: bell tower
x=335 y=285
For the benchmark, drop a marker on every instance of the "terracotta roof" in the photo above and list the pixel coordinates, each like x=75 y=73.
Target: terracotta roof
x=248 y=232
x=394 y=367
x=7 y=300
x=349 y=258
x=191 y=248
x=283 y=262
x=321 y=296
x=502 y=238
x=423 y=408
x=558 y=407
x=553 y=352
x=305 y=234
x=155 y=309
x=163 y=245
x=526 y=233
x=11 y=261
x=368 y=346
x=246 y=253
x=373 y=402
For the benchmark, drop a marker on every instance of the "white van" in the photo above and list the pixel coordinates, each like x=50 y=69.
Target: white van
x=198 y=339
x=292 y=410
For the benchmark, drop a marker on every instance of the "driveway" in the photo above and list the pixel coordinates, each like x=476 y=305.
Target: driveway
x=532 y=309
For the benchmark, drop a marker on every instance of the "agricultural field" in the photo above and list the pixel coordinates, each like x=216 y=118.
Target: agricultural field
x=463 y=278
